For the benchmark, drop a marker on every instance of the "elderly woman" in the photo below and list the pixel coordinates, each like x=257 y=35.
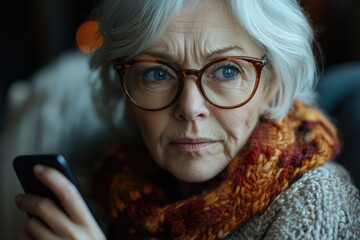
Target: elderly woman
x=220 y=93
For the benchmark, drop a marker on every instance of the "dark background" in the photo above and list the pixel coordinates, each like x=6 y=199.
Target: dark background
x=34 y=32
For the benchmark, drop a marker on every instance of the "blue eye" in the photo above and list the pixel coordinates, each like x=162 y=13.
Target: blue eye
x=226 y=72
x=156 y=75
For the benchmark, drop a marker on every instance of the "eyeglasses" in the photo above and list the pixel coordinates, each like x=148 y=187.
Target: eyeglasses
x=226 y=83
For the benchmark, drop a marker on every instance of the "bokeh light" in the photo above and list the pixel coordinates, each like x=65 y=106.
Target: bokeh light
x=88 y=38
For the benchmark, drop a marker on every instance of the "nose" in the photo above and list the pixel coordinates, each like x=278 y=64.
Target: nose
x=191 y=104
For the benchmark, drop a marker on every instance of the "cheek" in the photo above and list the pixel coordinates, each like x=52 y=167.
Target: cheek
x=149 y=124
x=242 y=122
x=147 y=130
x=238 y=127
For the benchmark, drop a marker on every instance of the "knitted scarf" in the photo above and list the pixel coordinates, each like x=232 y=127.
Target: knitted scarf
x=140 y=200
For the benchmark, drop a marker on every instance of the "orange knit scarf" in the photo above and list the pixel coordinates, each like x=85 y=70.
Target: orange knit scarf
x=140 y=206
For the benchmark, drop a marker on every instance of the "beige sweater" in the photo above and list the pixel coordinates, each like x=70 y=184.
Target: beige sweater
x=323 y=204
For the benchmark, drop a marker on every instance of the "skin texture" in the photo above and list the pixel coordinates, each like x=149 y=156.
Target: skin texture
x=192 y=139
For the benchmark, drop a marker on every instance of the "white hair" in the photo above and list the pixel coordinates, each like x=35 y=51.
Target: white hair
x=279 y=26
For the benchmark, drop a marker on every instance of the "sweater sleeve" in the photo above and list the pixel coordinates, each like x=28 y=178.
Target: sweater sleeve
x=322 y=204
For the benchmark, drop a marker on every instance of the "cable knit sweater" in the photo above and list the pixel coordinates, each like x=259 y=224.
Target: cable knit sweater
x=322 y=204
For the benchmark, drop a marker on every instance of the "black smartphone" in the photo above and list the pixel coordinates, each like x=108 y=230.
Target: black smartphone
x=23 y=166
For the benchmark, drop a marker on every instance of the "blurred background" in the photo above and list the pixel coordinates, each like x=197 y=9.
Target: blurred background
x=35 y=32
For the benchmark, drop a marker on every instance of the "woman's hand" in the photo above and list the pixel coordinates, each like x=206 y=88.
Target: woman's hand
x=75 y=223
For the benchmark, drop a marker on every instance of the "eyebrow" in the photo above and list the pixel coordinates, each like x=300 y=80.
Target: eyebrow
x=210 y=54
x=162 y=55
x=224 y=50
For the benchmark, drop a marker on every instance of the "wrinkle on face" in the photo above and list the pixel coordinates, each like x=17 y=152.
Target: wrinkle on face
x=237 y=137
x=191 y=39
x=194 y=39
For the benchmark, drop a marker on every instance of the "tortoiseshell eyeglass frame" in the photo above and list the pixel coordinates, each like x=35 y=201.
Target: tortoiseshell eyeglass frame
x=257 y=63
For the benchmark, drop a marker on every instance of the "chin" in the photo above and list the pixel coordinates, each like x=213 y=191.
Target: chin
x=194 y=175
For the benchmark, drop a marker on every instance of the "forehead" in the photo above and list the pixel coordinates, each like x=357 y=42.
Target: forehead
x=204 y=28
x=202 y=15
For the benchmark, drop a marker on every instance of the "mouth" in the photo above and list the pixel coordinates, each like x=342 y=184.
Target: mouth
x=191 y=144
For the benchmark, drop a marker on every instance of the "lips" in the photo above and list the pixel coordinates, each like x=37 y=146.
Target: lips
x=191 y=144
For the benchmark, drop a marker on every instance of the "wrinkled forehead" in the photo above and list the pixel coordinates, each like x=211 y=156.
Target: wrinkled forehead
x=202 y=15
x=202 y=29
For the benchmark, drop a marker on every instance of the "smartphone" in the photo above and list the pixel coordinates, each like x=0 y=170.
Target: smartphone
x=23 y=166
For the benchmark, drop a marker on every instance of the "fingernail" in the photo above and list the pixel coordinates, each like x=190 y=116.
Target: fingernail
x=19 y=198
x=38 y=168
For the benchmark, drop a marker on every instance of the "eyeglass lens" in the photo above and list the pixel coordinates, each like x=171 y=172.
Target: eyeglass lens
x=153 y=85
